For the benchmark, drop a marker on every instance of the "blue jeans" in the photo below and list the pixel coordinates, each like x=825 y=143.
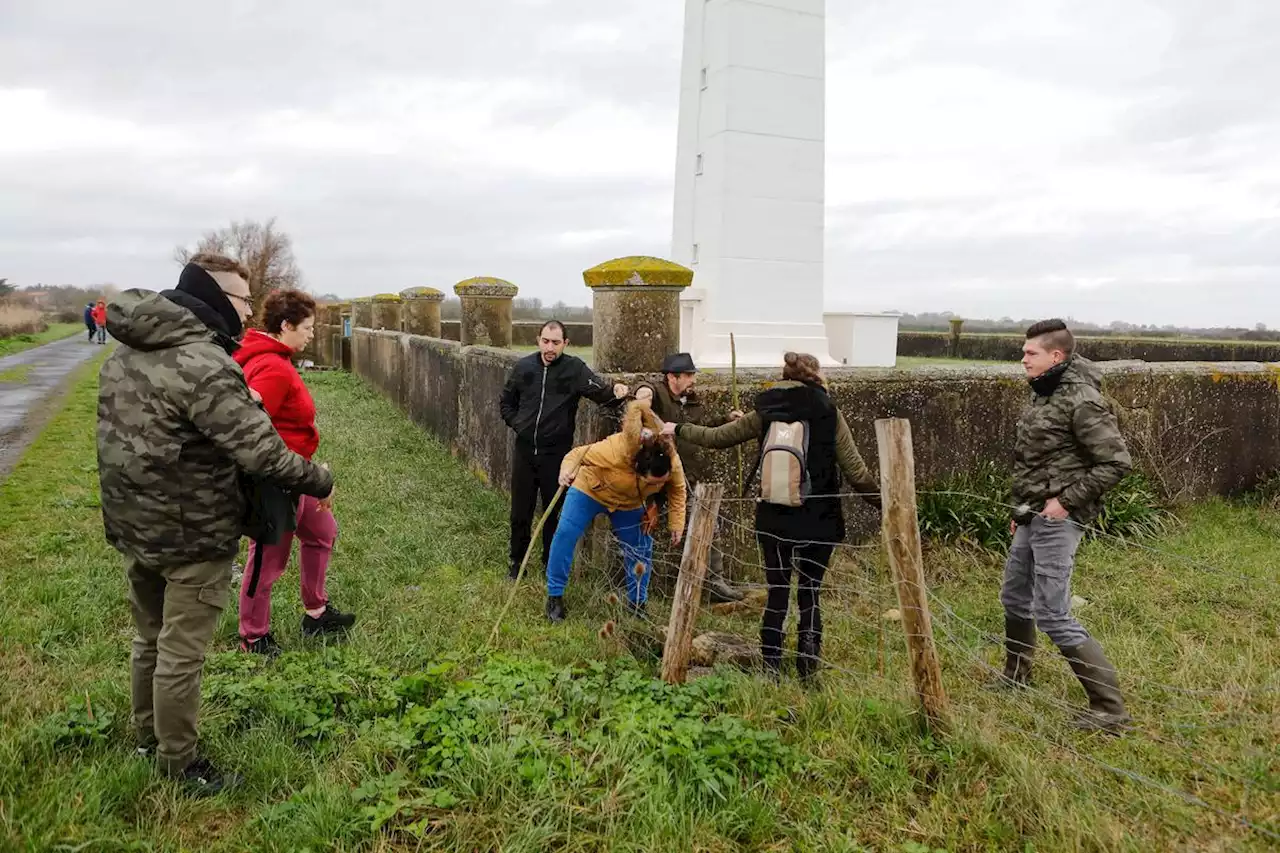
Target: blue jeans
x=579 y=510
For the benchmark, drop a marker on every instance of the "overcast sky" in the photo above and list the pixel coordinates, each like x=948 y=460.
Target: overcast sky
x=1093 y=158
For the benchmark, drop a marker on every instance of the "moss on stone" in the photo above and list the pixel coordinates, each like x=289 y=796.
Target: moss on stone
x=427 y=293
x=638 y=271
x=485 y=286
x=387 y=297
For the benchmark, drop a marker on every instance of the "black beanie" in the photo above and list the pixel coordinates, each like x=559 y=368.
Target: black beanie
x=196 y=282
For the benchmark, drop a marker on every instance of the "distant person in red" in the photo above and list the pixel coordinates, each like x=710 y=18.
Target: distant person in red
x=100 y=320
x=266 y=358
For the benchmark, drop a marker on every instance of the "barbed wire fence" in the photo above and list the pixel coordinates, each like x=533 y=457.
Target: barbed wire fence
x=1181 y=731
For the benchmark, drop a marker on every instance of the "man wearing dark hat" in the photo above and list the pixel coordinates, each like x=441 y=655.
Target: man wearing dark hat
x=674 y=401
x=177 y=427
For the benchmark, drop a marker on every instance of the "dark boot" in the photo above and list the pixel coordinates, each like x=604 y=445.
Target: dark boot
x=202 y=779
x=1019 y=651
x=513 y=572
x=555 y=608
x=720 y=592
x=808 y=656
x=1098 y=677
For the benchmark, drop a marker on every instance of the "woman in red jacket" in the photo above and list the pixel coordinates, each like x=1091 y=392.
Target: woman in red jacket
x=289 y=319
x=100 y=320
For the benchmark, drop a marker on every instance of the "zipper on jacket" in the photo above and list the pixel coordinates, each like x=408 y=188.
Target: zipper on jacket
x=541 y=399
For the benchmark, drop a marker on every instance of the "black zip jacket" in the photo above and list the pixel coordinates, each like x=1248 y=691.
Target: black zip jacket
x=540 y=401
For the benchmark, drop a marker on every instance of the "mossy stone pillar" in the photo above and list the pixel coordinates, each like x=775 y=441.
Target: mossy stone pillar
x=386 y=312
x=486 y=311
x=635 y=312
x=362 y=313
x=420 y=310
x=957 y=326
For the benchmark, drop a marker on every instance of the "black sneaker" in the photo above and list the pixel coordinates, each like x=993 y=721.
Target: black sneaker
x=331 y=621
x=265 y=645
x=201 y=779
x=555 y=608
x=513 y=572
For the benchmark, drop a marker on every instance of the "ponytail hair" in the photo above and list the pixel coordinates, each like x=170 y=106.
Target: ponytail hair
x=802 y=367
x=652 y=461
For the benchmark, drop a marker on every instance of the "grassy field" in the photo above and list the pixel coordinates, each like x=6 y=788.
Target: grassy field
x=55 y=332
x=413 y=736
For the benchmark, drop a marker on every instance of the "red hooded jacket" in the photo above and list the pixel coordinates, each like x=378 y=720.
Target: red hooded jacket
x=269 y=371
x=100 y=314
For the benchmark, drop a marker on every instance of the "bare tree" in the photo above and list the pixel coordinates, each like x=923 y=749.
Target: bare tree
x=260 y=246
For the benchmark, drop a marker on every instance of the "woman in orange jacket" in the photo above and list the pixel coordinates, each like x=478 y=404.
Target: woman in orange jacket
x=617 y=476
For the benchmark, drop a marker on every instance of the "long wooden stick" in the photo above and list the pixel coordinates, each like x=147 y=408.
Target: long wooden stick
x=515 y=587
x=733 y=386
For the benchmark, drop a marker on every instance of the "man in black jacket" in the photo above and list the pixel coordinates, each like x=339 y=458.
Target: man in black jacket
x=540 y=405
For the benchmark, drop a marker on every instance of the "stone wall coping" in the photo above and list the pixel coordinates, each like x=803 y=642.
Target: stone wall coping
x=638 y=271
x=429 y=294
x=387 y=297
x=493 y=288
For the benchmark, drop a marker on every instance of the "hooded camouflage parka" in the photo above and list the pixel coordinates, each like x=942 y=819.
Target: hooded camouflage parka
x=176 y=428
x=1069 y=444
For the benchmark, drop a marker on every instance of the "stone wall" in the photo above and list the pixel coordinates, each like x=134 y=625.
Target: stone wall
x=1215 y=427
x=524 y=333
x=1194 y=429
x=984 y=347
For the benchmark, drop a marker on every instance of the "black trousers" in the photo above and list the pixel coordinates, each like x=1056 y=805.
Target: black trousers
x=533 y=477
x=810 y=561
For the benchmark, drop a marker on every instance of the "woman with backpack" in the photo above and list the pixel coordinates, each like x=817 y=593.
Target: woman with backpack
x=617 y=476
x=805 y=445
x=266 y=358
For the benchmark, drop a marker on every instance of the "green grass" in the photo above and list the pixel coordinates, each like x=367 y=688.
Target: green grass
x=556 y=741
x=908 y=362
x=55 y=332
x=16 y=375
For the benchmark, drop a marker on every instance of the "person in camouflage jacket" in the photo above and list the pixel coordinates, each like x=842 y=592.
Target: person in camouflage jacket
x=177 y=427
x=1068 y=453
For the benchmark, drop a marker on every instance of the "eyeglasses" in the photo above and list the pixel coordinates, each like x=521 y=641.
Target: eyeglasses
x=248 y=301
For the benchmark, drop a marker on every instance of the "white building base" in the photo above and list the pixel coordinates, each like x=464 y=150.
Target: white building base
x=762 y=345
x=863 y=338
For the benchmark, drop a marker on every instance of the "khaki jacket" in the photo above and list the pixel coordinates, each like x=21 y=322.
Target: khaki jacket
x=604 y=470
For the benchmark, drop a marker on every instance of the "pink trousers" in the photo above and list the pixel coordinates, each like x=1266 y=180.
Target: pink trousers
x=316 y=534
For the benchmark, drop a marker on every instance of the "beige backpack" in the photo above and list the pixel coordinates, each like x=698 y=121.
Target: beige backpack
x=784 y=463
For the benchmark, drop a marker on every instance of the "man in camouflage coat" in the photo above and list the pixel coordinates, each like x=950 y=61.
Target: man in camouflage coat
x=1069 y=453
x=176 y=429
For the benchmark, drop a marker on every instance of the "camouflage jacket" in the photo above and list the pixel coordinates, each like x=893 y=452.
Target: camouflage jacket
x=176 y=427
x=677 y=410
x=1069 y=444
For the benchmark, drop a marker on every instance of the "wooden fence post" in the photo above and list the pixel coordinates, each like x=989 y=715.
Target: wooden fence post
x=693 y=569
x=902 y=541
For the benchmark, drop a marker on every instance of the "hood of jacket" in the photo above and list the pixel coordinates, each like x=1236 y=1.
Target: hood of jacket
x=147 y=321
x=794 y=401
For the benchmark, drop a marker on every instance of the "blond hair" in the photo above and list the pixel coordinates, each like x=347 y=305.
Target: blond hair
x=210 y=262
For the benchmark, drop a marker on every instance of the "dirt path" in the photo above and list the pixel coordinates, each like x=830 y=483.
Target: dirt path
x=29 y=382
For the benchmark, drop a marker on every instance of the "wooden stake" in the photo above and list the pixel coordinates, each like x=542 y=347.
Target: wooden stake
x=902 y=541
x=693 y=570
